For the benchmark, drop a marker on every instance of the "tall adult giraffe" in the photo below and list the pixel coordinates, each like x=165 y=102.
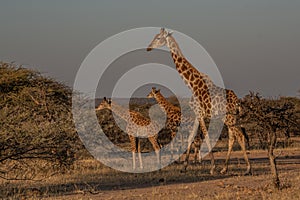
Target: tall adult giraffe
x=202 y=102
x=136 y=123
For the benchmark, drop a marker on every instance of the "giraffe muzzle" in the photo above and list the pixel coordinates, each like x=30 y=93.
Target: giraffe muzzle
x=149 y=49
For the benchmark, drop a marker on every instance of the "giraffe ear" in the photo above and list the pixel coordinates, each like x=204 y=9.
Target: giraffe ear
x=109 y=101
x=170 y=33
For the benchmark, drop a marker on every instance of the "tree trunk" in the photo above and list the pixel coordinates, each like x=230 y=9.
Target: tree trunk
x=272 y=142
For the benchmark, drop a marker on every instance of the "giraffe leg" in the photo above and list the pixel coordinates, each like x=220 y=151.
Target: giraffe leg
x=133 y=160
x=173 y=135
x=196 y=152
x=241 y=141
x=190 y=140
x=186 y=160
x=230 y=145
x=207 y=140
x=197 y=143
x=140 y=153
x=156 y=148
x=199 y=151
x=180 y=147
x=158 y=158
x=133 y=150
x=199 y=156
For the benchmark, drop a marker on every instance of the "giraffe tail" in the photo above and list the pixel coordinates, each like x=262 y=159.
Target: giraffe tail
x=246 y=137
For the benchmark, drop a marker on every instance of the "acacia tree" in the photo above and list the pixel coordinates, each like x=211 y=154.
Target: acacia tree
x=271 y=116
x=37 y=134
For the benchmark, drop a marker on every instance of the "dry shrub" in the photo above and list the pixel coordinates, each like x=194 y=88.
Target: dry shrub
x=36 y=127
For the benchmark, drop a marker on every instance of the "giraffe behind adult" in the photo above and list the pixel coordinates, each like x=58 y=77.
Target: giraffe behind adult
x=174 y=120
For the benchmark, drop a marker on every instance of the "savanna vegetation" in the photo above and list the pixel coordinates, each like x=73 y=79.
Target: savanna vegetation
x=41 y=155
x=37 y=135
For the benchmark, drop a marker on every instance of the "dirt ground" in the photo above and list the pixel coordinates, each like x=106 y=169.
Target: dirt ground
x=232 y=186
x=92 y=180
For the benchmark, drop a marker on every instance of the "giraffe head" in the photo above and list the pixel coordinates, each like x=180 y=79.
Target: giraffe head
x=105 y=104
x=153 y=92
x=159 y=40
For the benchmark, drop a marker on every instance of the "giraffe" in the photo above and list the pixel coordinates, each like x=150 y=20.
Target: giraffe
x=135 y=124
x=203 y=102
x=174 y=119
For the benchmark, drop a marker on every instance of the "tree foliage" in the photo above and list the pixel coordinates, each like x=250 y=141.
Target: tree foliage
x=270 y=117
x=36 y=128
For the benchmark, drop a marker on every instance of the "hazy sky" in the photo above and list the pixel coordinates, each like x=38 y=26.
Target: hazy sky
x=255 y=43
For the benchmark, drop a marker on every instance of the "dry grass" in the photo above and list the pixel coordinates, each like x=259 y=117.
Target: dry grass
x=89 y=179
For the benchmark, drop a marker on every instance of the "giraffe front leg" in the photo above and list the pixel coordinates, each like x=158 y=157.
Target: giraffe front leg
x=133 y=161
x=197 y=143
x=186 y=160
x=190 y=140
x=207 y=140
x=140 y=153
x=230 y=145
x=133 y=150
x=173 y=135
x=157 y=152
x=196 y=150
x=199 y=156
x=156 y=148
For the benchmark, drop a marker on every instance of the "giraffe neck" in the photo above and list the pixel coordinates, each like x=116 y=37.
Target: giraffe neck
x=173 y=46
x=164 y=104
x=191 y=76
x=121 y=112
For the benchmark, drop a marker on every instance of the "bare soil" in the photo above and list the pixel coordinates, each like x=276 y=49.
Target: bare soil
x=91 y=180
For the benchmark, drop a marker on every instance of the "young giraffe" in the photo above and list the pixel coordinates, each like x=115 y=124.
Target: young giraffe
x=202 y=102
x=135 y=124
x=174 y=119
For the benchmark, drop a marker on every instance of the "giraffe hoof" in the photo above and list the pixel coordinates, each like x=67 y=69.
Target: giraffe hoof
x=212 y=172
x=223 y=171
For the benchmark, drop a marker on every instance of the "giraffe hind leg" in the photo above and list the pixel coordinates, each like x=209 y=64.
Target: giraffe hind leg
x=242 y=143
x=230 y=145
x=231 y=139
x=207 y=141
x=156 y=148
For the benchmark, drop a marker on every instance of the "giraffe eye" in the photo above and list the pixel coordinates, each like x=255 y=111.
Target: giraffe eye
x=158 y=38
